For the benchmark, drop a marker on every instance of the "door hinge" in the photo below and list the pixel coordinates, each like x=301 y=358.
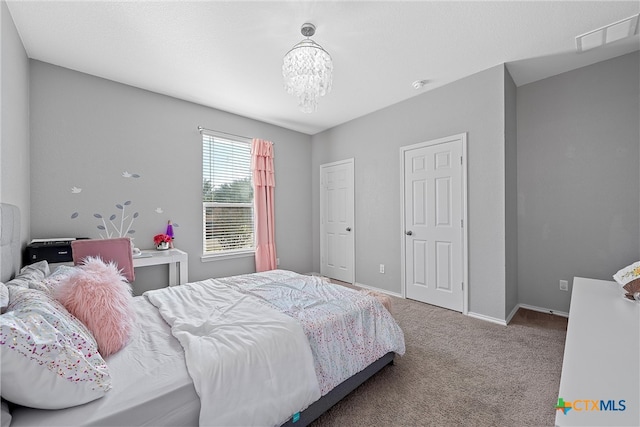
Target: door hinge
x=460 y=159
x=462 y=284
x=462 y=223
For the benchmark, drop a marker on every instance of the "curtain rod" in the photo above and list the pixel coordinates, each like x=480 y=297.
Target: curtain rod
x=202 y=129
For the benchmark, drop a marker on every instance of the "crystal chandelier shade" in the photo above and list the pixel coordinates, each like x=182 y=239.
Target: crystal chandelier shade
x=307 y=70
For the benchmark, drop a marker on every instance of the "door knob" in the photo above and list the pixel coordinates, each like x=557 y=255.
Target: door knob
x=348 y=228
x=409 y=233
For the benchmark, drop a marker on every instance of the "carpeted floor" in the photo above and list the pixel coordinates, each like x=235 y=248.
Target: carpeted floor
x=461 y=371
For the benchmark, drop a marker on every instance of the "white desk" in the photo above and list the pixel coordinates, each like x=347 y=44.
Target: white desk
x=178 y=263
x=601 y=356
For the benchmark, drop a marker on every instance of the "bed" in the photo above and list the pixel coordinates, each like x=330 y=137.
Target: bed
x=271 y=348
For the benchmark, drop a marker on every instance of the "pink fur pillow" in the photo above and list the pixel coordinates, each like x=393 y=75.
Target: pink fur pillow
x=100 y=297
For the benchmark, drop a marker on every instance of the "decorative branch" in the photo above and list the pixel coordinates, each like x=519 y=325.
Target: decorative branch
x=119 y=231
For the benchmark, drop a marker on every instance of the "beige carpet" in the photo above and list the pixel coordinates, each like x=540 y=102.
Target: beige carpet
x=461 y=371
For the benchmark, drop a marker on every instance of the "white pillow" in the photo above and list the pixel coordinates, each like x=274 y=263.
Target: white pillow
x=49 y=360
x=30 y=273
x=51 y=282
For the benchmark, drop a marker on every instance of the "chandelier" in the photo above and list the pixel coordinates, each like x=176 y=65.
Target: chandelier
x=307 y=70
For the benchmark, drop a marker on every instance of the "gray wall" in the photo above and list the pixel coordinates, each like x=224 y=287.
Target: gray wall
x=475 y=105
x=578 y=178
x=511 y=194
x=86 y=131
x=575 y=172
x=14 y=142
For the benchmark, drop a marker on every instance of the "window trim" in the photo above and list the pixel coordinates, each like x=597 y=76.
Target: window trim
x=244 y=253
x=233 y=253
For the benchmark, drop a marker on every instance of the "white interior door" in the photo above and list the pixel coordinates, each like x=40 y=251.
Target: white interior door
x=337 y=242
x=433 y=213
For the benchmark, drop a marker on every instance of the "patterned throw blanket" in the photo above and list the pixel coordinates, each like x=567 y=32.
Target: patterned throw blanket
x=347 y=330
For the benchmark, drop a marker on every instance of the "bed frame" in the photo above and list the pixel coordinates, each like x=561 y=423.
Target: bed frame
x=10 y=256
x=323 y=404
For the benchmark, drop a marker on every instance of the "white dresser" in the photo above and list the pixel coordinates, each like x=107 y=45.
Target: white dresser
x=601 y=357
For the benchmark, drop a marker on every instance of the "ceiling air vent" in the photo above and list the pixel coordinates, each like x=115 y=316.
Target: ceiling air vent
x=608 y=34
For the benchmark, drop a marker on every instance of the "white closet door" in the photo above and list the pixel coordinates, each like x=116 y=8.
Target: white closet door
x=337 y=231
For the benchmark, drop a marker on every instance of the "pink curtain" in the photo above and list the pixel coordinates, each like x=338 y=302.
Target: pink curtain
x=264 y=183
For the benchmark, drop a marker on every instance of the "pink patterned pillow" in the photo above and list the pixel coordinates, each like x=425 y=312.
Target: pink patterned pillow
x=100 y=297
x=48 y=358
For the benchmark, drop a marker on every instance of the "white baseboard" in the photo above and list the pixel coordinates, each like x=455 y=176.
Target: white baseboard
x=543 y=310
x=513 y=313
x=383 y=291
x=470 y=313
x=487 y=318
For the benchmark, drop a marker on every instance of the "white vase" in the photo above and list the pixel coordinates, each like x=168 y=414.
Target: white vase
x=162 y=246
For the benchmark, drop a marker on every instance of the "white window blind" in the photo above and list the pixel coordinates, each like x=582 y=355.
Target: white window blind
x=227 y=195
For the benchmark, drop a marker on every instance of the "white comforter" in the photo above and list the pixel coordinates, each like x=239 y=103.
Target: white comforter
x=347 y=330
x=250 y=364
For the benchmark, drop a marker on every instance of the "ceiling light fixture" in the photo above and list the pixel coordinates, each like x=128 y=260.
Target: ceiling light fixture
x=307 y=70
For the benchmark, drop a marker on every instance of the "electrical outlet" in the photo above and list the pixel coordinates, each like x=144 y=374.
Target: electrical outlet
x=382 y=268
x=277 y=261
x=564 y=285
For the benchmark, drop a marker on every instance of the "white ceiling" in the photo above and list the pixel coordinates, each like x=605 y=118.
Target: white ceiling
x=228 y=54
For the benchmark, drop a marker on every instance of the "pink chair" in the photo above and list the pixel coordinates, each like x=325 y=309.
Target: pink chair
x=117 y=250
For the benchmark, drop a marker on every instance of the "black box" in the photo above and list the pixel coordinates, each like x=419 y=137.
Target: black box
x=52 y=251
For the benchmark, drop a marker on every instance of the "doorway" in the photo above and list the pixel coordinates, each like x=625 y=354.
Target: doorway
x=337 y=229
x=434 y=224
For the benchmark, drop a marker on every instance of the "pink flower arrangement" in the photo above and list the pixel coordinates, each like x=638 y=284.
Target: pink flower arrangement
x=161 y=238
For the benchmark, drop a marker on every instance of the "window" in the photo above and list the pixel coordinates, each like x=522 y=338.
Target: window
x=227 y=195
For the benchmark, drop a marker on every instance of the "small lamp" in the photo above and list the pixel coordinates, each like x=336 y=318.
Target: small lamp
x=170 y=232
